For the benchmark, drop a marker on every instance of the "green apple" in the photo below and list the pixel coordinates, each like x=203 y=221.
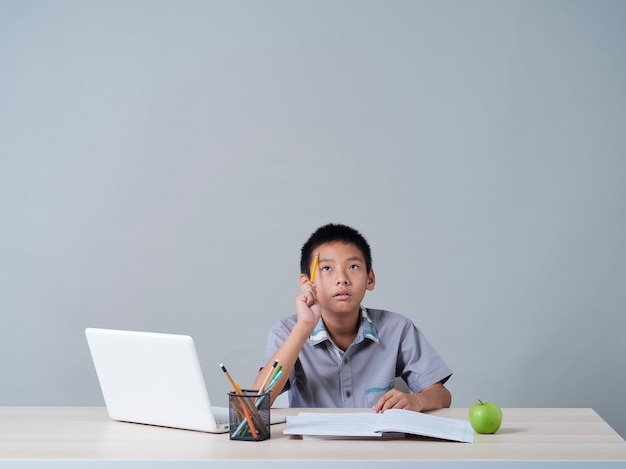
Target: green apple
x=485 y=417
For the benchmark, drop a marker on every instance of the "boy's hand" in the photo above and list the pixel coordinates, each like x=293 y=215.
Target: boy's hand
x=431 y=398
x=395 y=399
x=308 y=308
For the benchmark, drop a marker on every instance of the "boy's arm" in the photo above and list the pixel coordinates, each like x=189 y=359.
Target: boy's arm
x=308 y=312
x=434 y=397
x=286 y=355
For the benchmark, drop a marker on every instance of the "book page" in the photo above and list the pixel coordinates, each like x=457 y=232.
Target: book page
x=375 y=425
x=417 y=423
x=333 y=424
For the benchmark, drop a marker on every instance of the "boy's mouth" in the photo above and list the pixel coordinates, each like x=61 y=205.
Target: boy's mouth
x=342 y=295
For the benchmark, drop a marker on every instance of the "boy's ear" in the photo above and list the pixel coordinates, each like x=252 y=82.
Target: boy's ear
x=371 y=280
x=303 y=279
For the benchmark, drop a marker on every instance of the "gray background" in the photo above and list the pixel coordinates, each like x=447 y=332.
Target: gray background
x=162 y=163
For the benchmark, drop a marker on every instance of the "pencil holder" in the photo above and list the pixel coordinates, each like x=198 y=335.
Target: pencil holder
x=249 y=415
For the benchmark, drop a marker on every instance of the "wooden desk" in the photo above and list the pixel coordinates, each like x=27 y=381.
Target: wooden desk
x=85 y=436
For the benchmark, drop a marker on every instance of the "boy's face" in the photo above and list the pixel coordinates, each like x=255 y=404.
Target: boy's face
x=342 y=278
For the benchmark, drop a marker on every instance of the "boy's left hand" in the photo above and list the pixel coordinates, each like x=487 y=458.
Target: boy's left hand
x=431 y=398
x=395 y=399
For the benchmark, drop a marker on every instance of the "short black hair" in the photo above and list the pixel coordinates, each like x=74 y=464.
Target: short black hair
x=333 y=233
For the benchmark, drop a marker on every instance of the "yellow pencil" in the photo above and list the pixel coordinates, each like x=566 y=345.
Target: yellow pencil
x=232 y=381
x=314 y=269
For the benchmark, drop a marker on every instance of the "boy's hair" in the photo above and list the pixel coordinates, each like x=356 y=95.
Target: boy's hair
x=333 y=233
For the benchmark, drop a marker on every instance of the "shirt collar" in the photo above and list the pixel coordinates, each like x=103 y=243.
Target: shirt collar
x=366 y=330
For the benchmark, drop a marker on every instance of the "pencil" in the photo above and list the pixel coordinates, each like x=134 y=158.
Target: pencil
x=232 y=382
x=280 y=367
x=244 y=407
x=268 y=377
x=275 y=379
x=314 y=269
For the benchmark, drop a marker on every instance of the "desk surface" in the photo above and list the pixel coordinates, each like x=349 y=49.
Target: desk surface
x=87 y=434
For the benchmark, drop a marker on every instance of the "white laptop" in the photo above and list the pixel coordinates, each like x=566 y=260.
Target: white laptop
x=155 y=379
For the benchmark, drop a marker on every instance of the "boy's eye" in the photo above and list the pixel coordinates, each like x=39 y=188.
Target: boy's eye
x=325 y=268
x=354 y=266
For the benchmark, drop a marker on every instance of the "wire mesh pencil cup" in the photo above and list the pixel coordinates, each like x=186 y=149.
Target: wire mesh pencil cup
x=249 y=415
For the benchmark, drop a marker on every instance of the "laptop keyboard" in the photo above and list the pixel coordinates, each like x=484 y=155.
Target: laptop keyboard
x=221 y=415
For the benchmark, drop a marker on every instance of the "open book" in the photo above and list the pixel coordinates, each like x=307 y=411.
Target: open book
x=369 y=424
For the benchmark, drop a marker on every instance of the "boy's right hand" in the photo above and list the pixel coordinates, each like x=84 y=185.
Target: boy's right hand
x=308 y=309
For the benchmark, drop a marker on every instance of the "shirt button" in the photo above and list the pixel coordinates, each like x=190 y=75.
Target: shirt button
x=348 y=394
x=345 y=361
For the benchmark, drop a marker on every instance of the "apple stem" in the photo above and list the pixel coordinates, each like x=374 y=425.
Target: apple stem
x=481 y=402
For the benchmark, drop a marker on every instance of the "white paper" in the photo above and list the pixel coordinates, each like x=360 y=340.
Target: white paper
x=330 y=424
x=426 y=425
x=363 y=424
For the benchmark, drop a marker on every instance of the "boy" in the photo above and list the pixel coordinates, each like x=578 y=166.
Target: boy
x=336 y=353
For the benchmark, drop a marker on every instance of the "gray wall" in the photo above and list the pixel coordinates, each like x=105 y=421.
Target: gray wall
x=162 y=163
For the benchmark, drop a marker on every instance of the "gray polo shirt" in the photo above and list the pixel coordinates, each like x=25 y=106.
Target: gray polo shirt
x=387 y=345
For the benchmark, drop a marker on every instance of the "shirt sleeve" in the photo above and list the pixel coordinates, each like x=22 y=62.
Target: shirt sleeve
x=276 y=336
x=419 y=363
